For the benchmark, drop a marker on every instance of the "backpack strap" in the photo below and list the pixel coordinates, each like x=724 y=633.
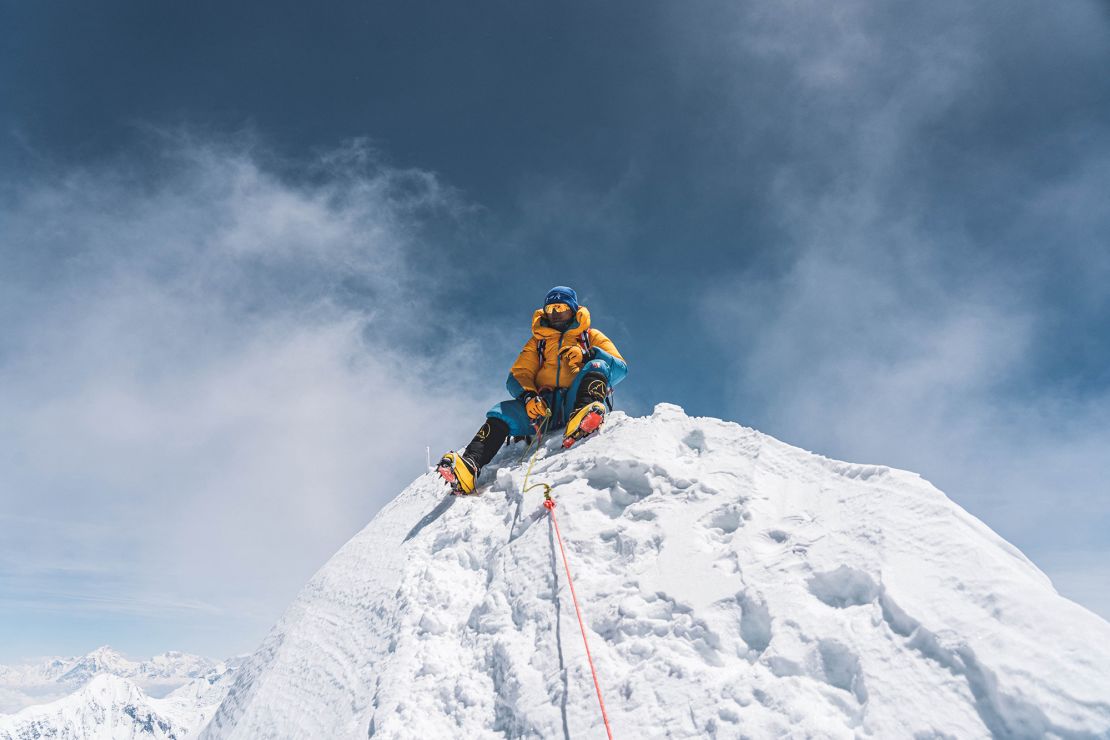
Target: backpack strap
x=541 y=345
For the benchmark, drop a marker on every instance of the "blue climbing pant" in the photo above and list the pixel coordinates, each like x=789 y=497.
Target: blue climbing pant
x=559 y=400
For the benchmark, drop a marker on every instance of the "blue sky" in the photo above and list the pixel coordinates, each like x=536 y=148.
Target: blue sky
x=255 y=258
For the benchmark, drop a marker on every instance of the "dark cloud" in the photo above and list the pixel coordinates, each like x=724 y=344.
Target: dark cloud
x=940 y=190
x=876 y=230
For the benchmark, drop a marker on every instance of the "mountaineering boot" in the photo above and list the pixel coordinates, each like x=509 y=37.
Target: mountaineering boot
x=460 y=472
x=585 y=422
x=589 y=408
x=461 y=469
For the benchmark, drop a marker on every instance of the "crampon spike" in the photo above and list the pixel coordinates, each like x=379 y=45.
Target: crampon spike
x=588 y=426
x=449 y=476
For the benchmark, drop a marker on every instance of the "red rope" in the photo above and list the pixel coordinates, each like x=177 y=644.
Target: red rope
x=549 y=504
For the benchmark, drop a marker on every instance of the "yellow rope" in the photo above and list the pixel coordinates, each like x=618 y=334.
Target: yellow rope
x=539 y=439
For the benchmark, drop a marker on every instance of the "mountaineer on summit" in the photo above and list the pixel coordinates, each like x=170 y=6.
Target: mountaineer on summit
x=564 y=374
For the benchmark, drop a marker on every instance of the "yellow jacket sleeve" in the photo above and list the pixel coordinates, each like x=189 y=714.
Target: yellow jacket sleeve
x=527 y=365
x=597 y=339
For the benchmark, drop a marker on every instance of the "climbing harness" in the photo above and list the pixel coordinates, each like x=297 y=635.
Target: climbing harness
x=549 y=504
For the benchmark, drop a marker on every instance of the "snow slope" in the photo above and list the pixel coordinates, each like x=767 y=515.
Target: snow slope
x=194 y=704
x=732 y=585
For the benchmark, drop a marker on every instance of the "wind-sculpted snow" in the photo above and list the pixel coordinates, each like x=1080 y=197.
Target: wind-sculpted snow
x=732 y=586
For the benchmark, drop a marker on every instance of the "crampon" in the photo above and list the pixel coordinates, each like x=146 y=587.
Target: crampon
x=584 y=423
x=453 y=469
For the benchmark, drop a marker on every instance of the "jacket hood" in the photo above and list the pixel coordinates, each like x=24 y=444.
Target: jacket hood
x=541 y=331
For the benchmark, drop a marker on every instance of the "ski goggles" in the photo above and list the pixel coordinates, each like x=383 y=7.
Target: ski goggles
x=557 y=311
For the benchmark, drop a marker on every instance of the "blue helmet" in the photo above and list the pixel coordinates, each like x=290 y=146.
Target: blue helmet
x=562 y=294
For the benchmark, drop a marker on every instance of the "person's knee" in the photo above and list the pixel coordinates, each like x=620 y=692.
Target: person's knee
x=498 y=427
x=595 y=386
x=512 y=415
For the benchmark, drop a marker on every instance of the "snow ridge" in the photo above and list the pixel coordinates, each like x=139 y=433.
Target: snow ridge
x=733 y=586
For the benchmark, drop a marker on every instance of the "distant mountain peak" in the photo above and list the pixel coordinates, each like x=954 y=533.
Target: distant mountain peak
x=51 y=678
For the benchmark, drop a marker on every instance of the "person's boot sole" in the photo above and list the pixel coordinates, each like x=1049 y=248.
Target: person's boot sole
x=589 y=425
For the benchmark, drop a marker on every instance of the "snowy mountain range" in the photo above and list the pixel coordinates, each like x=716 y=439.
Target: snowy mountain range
x=732 y=586
x=105 y=695
x=50 y=678
x=112 y=708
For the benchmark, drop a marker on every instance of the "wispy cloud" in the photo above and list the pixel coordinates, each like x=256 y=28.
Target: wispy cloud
x=944 y=259
x=214 y=369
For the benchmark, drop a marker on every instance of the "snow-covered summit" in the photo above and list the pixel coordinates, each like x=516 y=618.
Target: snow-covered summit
x=107 y=707
x=102 y=660
x=732 y=585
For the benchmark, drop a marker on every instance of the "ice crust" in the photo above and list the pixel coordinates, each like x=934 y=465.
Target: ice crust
x=733 y=586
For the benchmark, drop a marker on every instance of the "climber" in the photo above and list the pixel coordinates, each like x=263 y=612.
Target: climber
x=562 y=378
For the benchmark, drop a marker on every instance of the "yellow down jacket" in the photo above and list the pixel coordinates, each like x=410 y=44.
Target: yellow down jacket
x=534 y=373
